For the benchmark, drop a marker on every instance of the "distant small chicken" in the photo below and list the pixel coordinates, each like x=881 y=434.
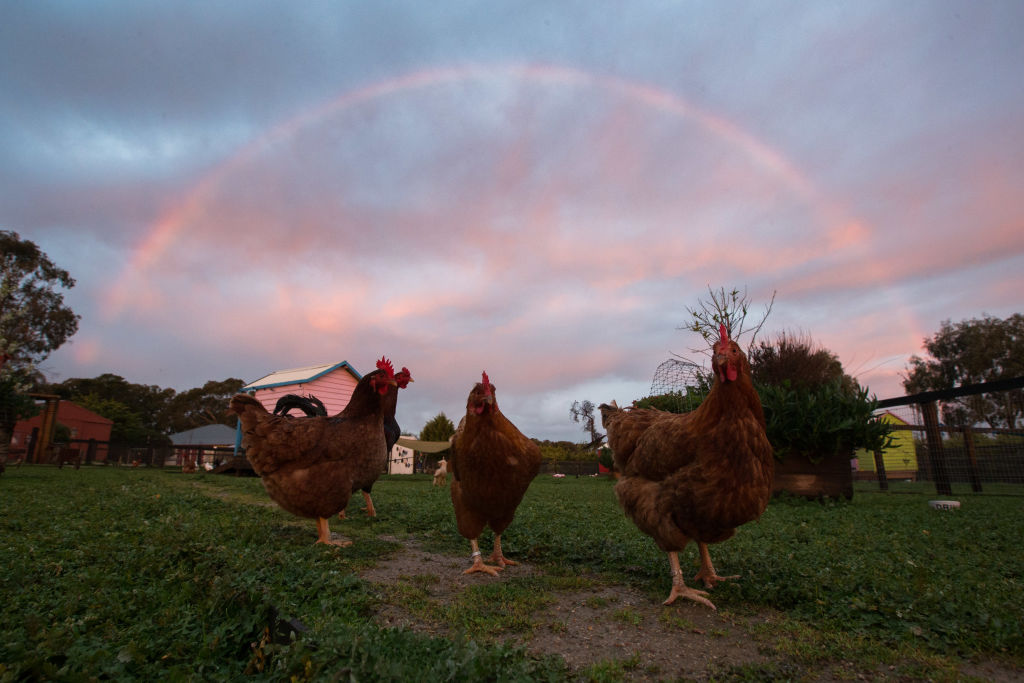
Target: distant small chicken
x=441 y=473
x=492 y=465
x=311 y=466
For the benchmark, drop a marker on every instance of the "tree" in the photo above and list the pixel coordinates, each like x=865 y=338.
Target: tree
x=127 y=429
x=34 y=321
x=584 y=412
x=202 y=406
x=724 y=308
x=149 y=403
x=440 y=428
x=15 y=405
x=971 y=352
x=558 y=450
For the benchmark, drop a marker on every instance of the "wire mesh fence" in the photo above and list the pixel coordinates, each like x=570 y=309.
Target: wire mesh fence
x=682 y=385
x=955 y=461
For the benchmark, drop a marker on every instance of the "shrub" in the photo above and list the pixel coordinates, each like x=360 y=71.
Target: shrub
x=820 y=421
x=795 y=359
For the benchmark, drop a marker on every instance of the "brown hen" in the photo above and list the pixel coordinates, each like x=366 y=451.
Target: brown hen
x=492 y=465
x=311 y=466
x=698 y=475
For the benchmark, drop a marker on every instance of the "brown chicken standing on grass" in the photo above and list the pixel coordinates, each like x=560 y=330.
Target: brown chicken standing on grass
x=314 y=407
x=699 y=475
x=311 y=466
x=492 y=465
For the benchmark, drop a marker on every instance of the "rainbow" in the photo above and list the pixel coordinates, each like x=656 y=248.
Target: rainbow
x=162 y=232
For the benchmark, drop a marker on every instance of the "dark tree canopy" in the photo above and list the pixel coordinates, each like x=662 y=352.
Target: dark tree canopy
x=970 y=352
x=202 y=406
x=148 y=413
x=148 y=402
x=34 y=321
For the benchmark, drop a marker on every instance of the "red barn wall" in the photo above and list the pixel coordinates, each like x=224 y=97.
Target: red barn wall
x=84 y=424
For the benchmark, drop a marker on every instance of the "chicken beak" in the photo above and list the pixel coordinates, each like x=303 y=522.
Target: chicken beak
x=726 y=371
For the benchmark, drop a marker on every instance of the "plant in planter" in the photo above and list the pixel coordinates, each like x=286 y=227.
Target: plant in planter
x=816 y=416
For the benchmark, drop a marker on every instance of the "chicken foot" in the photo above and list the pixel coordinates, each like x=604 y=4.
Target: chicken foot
x=679 y=587
x=324 y=534
x=478 y=563
x=496 y=556
x=707 y=570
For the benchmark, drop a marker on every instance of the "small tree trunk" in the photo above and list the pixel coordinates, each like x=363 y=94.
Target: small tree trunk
x=6 y=431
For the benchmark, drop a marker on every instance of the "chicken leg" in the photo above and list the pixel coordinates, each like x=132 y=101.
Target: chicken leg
x=324 y=534
x=679 y=587
x=370 y=510
x=496 y=556
x=478 y=563
x=707 y=570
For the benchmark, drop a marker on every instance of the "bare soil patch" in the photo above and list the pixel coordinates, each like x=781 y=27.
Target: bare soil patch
x=608 y=623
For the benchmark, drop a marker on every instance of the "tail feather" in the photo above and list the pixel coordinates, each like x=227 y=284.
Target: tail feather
x=625 y=427
x=610 y=415
x=310 y=405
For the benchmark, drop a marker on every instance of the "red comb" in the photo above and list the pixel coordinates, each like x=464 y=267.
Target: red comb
x=385 y=365
x=485 y=380
x=723 y=333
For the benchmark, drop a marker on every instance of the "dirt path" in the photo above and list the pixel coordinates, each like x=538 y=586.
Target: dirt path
x=614 y=624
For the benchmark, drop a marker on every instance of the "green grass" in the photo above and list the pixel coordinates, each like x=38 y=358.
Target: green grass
x=144 y=574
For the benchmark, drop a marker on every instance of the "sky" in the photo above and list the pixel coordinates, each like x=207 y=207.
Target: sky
x=538 y=190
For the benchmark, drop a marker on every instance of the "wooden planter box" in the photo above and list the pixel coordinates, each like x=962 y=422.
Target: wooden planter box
x=831 y=477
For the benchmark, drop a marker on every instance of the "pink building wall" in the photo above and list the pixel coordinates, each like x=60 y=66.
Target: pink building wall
x=333 y=388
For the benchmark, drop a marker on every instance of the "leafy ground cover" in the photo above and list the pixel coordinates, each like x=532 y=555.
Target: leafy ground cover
x=146 y=574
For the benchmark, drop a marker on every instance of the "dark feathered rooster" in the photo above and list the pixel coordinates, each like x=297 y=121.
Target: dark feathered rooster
x=492 y=464
x=311 y=466
x=699 y=475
